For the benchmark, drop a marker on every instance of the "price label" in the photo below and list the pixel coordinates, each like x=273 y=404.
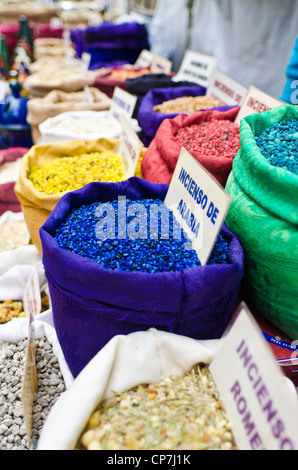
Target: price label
x=256 y=102
x=129 y=148
x=197 y=68
x=226 y=89
x=161 y=65
x=198 y=202
x=260 y=401
x=145 y=59
x=123 y=104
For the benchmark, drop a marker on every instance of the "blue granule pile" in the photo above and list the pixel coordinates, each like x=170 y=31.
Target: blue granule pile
x=88 y=232
x=279 y=145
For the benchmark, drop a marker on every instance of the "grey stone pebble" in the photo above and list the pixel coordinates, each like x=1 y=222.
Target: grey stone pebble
x=13 y=435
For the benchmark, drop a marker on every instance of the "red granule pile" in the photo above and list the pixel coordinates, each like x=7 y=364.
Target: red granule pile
x=213 y=138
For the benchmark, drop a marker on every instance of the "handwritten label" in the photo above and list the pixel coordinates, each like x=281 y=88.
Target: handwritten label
x=145 y=59
x=161 y=65
x=262 y=407
x=32 y=307
x=198 y=202
x=226 y=89
x=256 y=102
x=123 y=104
x=197 y=68
x=129 y=148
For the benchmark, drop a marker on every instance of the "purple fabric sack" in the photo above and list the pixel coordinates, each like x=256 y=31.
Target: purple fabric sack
x=123 y=36
x=149 y=120
x=92 y=304
x=131 y=35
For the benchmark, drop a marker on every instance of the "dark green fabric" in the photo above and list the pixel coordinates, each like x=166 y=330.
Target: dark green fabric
x=264 y=216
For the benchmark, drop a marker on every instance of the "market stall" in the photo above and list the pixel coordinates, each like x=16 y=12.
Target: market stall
x=148 y=234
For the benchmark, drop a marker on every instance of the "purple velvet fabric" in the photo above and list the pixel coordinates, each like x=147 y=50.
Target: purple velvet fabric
x=123 y=36
x=110 y=35
x=149 y=120
x=92 y=304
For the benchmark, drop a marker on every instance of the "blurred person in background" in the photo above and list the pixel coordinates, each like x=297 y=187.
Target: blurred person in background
x=253 y=39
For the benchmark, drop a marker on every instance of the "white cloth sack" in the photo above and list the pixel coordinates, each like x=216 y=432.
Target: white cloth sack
x=126 y=361
x=108 y=128
x=17 y=330
x=13 y=281
x=15 y=265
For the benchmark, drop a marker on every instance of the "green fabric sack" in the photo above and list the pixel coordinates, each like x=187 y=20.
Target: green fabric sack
x=264 y=216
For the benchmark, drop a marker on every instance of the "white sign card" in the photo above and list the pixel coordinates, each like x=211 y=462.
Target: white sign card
x=226 y=89
x=161 y=65
x=197 y=68
x=145 y=59
x=260 y=401
x=156 y=63
x=123 y=104
x=256 y=101
x=129 y=148
x=198 y=202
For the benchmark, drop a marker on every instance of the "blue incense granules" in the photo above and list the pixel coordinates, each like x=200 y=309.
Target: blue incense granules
x=279 y=145
x=128 y=235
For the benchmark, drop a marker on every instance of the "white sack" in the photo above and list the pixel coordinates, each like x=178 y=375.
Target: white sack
x=16 y=264
x=73 y=125
x=17 y=330
x=126 y=361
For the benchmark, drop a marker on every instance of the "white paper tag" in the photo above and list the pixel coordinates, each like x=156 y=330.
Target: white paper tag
x=262 y=407
x=161 y=65
x=129 y=148
x=198 y=202
x=145 y=59
x=256 y=101
x=226 y=89
x=197 y=68
x=123 y=104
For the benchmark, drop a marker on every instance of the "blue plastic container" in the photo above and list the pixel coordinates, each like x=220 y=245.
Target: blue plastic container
x=14 y=129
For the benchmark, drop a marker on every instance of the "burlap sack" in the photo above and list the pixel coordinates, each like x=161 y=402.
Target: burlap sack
x=43 y=64
x=51 y=47
x=57 y=102
x=32 y=10
x=37 y=206
x=65 y=78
